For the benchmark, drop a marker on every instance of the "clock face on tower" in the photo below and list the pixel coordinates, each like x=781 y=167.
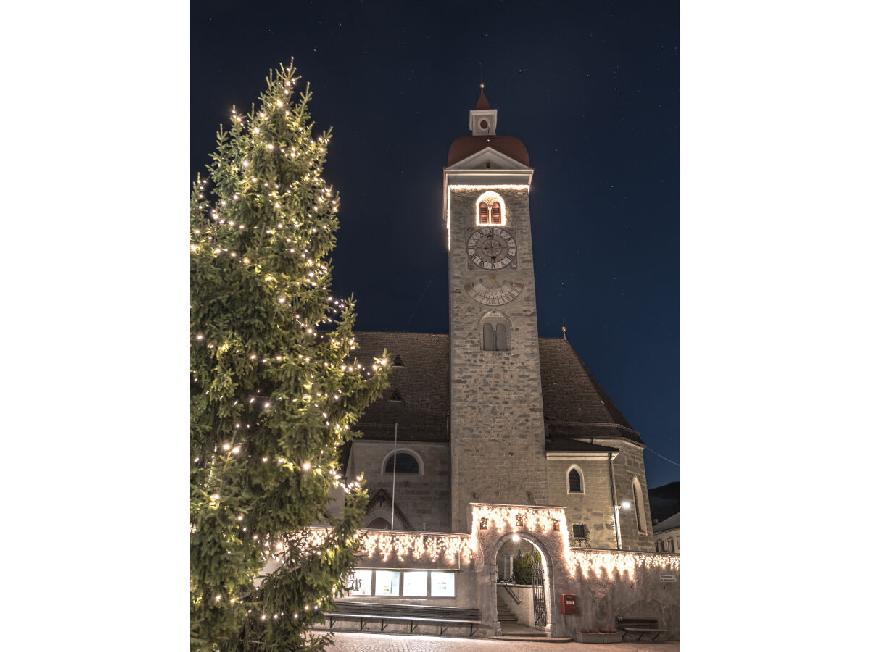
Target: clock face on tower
x=492 y=248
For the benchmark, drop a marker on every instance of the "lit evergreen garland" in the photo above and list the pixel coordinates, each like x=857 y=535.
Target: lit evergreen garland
x=274 y=386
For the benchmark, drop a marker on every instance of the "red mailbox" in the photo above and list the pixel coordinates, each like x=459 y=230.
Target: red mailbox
x=567 y=603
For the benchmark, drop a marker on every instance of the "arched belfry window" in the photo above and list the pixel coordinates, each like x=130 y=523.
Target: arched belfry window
x=575 y=480
x=488 y=338
x=495 y=332
x=495 y=213
x=405 y=462
x=482 y=213
x=639 y=506
x=501 y=337
x=491 y=209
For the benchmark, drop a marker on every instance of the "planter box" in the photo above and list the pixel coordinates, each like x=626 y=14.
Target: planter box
x=600 y=637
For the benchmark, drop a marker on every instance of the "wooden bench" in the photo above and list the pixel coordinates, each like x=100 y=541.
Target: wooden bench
x=640 y=627
x=387 y=613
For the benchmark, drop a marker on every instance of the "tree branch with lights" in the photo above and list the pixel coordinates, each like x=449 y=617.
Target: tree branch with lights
x=275 y=386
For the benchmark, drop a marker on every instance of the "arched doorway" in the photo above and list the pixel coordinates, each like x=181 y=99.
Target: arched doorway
x=522 y=586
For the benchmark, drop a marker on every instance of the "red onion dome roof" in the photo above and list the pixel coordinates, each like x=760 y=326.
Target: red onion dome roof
x=465 y=146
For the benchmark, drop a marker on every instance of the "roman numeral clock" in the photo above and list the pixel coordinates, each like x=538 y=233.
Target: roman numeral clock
x=492 y=249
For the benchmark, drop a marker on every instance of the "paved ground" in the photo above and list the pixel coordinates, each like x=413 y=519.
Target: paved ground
x=345 y=642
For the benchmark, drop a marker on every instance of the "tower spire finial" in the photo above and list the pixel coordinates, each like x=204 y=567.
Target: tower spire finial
x=482 y=102
x=564 y=332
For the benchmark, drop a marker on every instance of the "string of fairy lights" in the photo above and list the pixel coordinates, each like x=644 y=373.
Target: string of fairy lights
x=302 y=215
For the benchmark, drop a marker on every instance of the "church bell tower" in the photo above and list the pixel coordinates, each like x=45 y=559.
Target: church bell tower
x=496 y=408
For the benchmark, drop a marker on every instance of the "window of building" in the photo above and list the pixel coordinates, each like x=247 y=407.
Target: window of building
x=397 y=361
x=639 y=506
x=575 y=480
x=495 y=213
x=501 y=338
x=488 y=338
x=361 y=582
x=387 y=582
x=415 y=584
x=482 y=213
x=490 y=209
x=580 y=531
x=496 y=332
x=409 y=583
x=443 y=585
x=404 y=462
x=395 y=397
x=379 y=524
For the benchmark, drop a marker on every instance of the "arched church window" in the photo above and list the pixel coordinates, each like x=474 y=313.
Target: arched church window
x=379 y=524
x=639 y=506
x=482 y=213
x=495 y=330
x=575 y=480
x=501 y=338
x=495 y=213
x=490 y=209
x=488 y=337
x=397 y=361
x=403 y=461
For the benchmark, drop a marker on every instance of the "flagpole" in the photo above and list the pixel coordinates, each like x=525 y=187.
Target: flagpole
x=393 y=493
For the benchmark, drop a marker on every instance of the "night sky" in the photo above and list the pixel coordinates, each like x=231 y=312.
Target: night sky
x=592 y=88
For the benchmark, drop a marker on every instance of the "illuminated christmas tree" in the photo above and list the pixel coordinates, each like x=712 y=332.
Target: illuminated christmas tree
x=275 y=387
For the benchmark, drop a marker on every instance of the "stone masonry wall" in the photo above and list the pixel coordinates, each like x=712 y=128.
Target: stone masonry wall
x=497 y=427
x=627 y=466
x=606 y=584
x=423 y=499
x=594 y=507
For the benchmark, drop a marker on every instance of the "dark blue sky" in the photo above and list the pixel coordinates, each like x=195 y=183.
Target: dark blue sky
x=592 y=88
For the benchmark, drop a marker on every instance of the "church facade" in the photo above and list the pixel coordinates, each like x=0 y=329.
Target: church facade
x=491 y=412
x=493 y=445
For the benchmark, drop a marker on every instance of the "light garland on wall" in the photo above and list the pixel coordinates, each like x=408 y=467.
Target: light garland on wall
x=500 y=520
x=547 y=525
x=451 y=548
x=522 y=518
x=612 y=562
x=550 y=523
x=488 y=186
